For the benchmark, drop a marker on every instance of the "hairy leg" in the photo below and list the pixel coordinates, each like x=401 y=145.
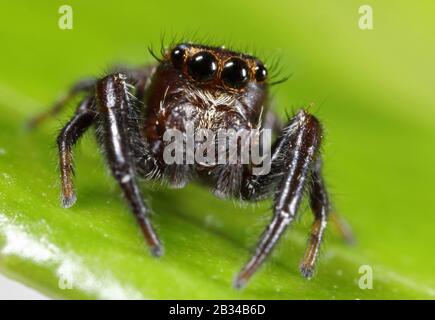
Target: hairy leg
x=320 y=207
x=114 y=107
x=292 y=159
x=71 y=132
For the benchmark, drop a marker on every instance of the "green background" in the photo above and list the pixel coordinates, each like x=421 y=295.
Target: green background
x=373 y=90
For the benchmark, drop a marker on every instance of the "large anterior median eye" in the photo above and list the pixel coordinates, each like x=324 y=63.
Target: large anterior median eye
x=235 y=73
x=202 y=66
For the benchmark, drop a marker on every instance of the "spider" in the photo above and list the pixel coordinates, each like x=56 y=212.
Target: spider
x=132 y=107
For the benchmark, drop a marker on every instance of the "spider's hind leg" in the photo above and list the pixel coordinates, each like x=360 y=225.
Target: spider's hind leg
x=82 y=86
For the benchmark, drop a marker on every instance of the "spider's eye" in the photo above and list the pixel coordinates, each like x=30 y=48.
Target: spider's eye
x=202 y=66
x=177 y=56
x=235 y=73
x=260 y=72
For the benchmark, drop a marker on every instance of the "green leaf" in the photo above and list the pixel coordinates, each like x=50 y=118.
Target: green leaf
x=372 y=89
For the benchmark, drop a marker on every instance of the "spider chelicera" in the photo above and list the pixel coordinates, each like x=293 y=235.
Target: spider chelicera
x=131 y=109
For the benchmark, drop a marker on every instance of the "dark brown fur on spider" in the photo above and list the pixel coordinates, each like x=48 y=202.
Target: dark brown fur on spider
x=214 y=88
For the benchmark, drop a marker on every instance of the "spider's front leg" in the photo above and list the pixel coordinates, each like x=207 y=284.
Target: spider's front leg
x=293 y=158
x=114 y=107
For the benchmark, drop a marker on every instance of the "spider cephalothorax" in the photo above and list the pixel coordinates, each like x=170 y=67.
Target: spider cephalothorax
x=200 y=80
x=208 y=88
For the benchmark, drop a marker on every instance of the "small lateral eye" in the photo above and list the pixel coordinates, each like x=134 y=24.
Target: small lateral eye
x=235 y=73
x=260 y=72
x=177 y=56
x=202 y=66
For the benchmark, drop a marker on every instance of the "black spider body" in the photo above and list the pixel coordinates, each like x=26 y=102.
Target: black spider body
x=212 y=89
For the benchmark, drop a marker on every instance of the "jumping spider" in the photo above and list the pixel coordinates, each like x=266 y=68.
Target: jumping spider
x=131 y=109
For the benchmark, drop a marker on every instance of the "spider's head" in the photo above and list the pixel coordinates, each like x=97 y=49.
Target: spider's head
x=218 y=87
